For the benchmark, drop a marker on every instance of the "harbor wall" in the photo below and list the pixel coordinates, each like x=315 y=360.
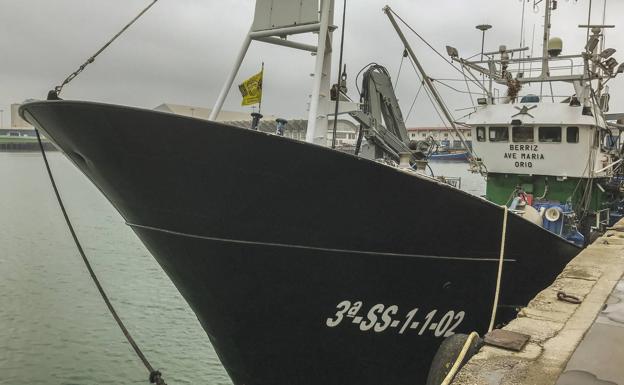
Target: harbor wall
x=556 y=328
x=30 y=146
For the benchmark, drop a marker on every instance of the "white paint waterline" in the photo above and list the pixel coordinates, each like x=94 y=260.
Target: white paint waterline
x=316 y=248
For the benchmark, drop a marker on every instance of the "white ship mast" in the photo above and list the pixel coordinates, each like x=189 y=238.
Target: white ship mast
x=597 y=66
x=274 y=21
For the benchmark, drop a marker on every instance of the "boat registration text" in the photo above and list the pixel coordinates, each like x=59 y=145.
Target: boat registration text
x=380 y=318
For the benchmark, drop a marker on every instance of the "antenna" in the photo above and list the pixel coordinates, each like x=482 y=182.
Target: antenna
x=604 y=16
x=483 y=28
x=547 y=11
x=522 y=37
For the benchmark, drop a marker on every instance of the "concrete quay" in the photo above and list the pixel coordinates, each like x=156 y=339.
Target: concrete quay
x=570 y=344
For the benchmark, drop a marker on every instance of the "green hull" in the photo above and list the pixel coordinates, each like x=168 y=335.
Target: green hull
x=500 y=188
x=17 y=139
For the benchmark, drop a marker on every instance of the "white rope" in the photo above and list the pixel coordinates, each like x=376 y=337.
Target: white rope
x=462 y=354
x=500 y=268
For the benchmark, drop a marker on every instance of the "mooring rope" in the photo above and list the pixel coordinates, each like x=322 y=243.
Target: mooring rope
x=499 y=274
x=54 y=94
x=462 y=354
x=460 y=358
x=340 y=74
x=155 y=377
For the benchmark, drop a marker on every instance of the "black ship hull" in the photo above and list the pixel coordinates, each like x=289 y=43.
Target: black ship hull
x=304 y=265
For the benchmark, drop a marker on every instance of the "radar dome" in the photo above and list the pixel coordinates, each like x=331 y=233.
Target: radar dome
x=555 y=45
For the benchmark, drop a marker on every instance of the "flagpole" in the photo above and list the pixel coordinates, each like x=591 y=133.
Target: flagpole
x=256 y=116
x=262 y=86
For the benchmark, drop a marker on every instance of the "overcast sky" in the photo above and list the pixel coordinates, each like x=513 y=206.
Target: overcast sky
x=182 y=50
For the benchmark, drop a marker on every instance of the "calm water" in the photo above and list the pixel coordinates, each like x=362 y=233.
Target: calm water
x=472 y=183
x=54 y=328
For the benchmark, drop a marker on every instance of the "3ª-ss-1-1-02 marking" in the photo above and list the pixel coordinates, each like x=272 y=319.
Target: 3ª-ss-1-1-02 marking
x=381 y=317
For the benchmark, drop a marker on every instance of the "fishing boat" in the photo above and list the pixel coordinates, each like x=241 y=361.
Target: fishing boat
x=557 y=159
x=454 y=156
x=292 y=283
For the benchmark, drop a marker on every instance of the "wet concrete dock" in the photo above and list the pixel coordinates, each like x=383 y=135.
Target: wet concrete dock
x=599 y=358
x=570 y=344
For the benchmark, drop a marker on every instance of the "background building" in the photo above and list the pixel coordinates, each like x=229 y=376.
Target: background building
x=346 y=131
x=19 y=127
x=204 y=113
x=16 y=120
x=445 y=136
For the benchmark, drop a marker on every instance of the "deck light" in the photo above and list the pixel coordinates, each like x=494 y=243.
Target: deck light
x=553 y=214
x=611 y=63
x=592 y=43
x=607 y=53
x=452 y=52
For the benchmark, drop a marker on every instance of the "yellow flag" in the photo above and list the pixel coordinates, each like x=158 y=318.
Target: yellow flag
x=251 y=89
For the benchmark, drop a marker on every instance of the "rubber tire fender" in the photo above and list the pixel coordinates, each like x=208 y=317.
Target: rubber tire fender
x=447 y=353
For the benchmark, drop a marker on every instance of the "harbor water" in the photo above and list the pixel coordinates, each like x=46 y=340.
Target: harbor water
x=54 y=327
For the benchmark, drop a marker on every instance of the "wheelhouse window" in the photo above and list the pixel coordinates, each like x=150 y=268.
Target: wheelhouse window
x=522 y=134
x=499 y=134
x=572 y=134
x=549 y=134
x=481 y=134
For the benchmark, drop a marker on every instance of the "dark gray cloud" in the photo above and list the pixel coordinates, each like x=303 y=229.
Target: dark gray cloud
x=182 y=50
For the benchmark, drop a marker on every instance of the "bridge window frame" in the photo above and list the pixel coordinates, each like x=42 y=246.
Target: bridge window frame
x=549 y=134
x=519 y=134
x=500 y=134
x=481 y=137
x=574 y=134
